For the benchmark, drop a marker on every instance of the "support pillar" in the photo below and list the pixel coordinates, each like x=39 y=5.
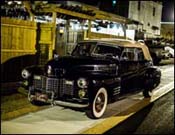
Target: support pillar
x=124 y=29
x=54 y=16
x=89 y=28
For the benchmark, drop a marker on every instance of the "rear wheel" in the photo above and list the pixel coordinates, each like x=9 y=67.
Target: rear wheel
x=147 y=93
x=98 y=105
x=150 y=84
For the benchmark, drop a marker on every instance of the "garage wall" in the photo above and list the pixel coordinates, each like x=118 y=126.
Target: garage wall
x=18 y=41
x=18 y=37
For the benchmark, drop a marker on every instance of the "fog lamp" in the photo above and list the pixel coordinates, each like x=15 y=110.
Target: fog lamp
x=81 y=93
x=25 y=83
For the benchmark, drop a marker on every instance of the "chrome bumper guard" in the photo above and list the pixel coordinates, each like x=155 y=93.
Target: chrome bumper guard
x=43 y=98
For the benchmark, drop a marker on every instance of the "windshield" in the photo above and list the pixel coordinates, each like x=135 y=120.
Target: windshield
x=106 y=50
x=84 y=49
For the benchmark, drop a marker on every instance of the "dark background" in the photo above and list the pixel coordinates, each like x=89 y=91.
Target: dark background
x=167 y=11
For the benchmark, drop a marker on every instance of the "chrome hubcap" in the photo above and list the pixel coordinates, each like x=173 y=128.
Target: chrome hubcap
x=99 y=103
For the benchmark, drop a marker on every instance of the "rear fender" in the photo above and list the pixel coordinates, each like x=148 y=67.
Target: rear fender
x=152 y=78
x=152 y=72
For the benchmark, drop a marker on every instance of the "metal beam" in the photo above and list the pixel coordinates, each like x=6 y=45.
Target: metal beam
x=105 y=15
x=67 y=12
x=101 y=15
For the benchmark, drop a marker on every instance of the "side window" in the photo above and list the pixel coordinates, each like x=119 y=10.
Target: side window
x=129 y=54
x=140 y=54
x=107 y=50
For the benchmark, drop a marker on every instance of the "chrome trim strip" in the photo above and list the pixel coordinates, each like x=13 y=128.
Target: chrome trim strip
x=58 y=102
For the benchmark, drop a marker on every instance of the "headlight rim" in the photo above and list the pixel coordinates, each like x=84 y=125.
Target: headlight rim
x=25 y=74
x=83 y=86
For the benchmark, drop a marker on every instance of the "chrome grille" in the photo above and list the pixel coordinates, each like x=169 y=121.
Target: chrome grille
x=40 y=83
x=65 y=88
x=53 y=84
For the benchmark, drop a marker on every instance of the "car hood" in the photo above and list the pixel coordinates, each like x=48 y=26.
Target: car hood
x=67 y=61
x=73 y=65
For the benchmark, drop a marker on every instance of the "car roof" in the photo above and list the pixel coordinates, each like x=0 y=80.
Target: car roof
x=123 y=43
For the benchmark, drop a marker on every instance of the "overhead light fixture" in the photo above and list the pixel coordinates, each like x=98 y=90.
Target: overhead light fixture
x=10 y=2
x=114 y=2
x=45 y=2
x=18 y=2
x=61 y=31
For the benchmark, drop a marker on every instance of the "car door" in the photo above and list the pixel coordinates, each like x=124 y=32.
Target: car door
x=112 y=53
x=109 y=51
x=128 y=69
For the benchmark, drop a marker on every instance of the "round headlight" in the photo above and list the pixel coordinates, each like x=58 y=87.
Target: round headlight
x=82 y=83
x=49 y=70
x=25 y=74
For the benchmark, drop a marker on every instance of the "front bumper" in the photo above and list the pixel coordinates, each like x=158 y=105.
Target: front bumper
x=69 y=104
x=57 y=91
x=44 y=98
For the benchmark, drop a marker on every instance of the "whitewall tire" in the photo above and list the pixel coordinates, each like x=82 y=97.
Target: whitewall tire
x=99 y=104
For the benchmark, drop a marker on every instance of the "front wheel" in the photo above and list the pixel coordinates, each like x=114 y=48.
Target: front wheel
x=98 y=105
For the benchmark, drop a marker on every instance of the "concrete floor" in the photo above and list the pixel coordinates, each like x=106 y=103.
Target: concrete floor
x=157 y=118
x=160 y=119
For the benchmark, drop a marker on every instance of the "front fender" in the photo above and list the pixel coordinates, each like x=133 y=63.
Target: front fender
x=110 y=84
x=35 y=69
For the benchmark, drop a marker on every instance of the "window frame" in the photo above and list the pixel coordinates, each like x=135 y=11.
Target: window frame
x=133 y=50
x=138 y=50
x=106 y=45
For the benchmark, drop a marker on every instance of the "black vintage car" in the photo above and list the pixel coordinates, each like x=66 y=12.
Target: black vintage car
x=96 y=73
